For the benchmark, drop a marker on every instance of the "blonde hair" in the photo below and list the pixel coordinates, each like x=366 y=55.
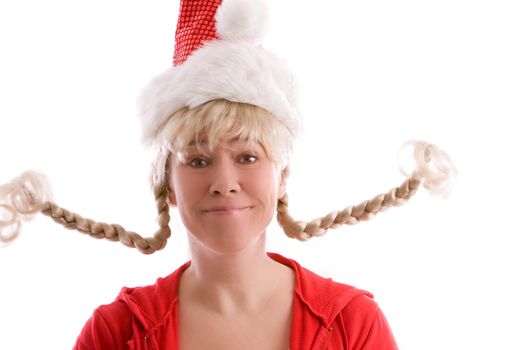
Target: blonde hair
x=433 y=168
x=222 y=120
x=30 y=193
x=218 y=120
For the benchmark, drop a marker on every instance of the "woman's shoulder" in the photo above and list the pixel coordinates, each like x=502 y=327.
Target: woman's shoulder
x=366 y=325
x=112 y=325
x=352 y=312
x=114 y=312
x=324 y=296
x=312 y=284
x=107 y=328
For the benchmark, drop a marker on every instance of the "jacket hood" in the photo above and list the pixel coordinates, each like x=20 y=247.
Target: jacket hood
x=140 y=299
x=324 y=297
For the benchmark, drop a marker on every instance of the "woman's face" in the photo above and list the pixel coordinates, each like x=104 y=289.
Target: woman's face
x=228 y=196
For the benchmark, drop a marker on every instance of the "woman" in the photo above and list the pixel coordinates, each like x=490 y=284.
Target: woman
x=226 y=179
x=223 y=120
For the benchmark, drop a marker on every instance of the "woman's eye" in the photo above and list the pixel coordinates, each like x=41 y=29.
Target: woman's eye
x=247 y=159
x=197 y=163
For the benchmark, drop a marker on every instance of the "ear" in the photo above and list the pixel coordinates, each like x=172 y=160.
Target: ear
x=282 y=182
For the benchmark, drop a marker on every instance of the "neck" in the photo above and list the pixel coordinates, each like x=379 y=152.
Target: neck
x=241 y=281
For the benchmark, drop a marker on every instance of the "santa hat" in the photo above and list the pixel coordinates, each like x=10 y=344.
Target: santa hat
x=218 y=56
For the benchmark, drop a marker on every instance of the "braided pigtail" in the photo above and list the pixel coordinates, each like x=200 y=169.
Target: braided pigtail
x=29 y=194
x=433 y=168
x=20 y=200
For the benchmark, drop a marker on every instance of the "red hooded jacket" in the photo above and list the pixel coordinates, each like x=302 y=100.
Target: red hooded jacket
x=326 y=315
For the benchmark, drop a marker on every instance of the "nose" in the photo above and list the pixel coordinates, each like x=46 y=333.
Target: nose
x=225 y=178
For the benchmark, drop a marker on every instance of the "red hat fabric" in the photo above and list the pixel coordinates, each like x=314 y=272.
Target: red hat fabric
x=196 y=25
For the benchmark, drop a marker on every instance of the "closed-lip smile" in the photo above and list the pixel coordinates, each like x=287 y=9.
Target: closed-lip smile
x=226 y=209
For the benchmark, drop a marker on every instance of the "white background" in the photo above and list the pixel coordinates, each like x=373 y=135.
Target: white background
x=447 y=273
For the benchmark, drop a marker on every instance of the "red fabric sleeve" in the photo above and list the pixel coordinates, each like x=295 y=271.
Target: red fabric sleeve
x=380 y=336
x=108 y=328
x=365 y=326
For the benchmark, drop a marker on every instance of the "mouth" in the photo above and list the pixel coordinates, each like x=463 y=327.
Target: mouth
x=226 y=210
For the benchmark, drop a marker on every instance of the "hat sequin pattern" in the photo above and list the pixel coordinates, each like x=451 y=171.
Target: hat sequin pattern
x=196 y=25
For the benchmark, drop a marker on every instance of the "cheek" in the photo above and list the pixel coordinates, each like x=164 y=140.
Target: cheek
x=187 y=190
x=266 y=186
x=187 y=194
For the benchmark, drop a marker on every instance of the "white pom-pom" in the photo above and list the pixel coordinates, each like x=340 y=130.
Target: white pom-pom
x=436 y=169
x=21 y=199
x=242 y=20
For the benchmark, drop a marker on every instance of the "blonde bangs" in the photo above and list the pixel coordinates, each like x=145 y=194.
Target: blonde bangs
x=220 y=120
